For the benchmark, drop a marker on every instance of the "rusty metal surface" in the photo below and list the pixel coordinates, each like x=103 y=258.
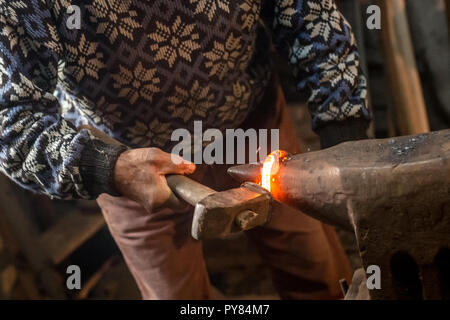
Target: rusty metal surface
x=404 y=225
x=393 y=193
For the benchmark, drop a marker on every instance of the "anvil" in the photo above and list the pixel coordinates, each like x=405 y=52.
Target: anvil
x=393 y=193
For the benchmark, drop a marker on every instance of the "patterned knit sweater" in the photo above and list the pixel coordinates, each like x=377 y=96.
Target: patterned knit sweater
x=138 y=69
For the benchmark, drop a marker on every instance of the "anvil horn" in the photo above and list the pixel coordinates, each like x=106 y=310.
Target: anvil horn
x=246 y=172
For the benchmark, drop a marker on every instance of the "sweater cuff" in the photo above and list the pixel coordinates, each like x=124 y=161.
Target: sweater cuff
x=334 y=133
x=97 y=163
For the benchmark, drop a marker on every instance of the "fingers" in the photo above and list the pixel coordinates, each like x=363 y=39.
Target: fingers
x=162 y=197
x=174 y=164
x=175 y=203
x=172 y=203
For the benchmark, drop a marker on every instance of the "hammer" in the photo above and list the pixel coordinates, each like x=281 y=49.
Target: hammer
x=216 y=214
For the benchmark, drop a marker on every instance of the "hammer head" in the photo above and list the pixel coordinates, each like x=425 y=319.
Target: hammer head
x=226 y=212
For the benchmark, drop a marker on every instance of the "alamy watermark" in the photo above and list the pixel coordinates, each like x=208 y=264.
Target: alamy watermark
x=373 y=21
x=74 y=19
x=374 y=277
x=73 y=281
x=214 y=147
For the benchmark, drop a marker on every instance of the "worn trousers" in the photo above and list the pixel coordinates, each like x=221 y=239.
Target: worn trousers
x=304 y=255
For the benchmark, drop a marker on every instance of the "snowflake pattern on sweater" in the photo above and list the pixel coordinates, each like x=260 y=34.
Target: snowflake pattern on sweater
x=139 y=69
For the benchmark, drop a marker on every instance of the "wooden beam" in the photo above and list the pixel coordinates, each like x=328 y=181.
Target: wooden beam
x=69 y=234
x=447 y=6
x=407 y=94
x=13 y=214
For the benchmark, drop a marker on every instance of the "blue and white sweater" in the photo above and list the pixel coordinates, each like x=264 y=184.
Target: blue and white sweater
x=138 y=69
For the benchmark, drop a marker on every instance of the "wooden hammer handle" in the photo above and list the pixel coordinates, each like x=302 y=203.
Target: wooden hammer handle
x=187 y=189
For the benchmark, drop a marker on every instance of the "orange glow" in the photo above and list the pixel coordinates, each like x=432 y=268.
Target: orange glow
x=270 y=168
x=266 y=174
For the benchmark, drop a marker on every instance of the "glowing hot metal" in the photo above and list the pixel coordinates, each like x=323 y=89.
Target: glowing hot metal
x=266 y=174
x=270 y=168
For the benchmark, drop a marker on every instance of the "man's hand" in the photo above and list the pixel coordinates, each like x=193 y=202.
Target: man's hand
x=139 y=175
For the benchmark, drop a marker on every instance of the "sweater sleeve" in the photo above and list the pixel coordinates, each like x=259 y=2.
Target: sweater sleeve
x=38 y=149
x=318 y=43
